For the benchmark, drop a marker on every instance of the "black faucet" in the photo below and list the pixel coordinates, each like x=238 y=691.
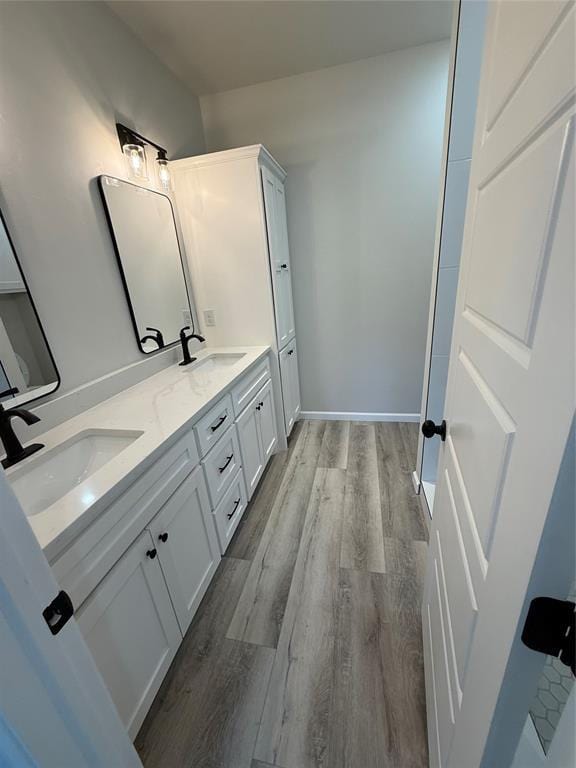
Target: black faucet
x=15 y=451
x=184 y=339
x=156 y=336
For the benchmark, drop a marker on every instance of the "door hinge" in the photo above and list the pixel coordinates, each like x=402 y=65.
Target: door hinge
x=550 y=628
x=58 y=612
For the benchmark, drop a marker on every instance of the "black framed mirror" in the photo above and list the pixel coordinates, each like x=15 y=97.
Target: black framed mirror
x=27 y=367
x=143 y=230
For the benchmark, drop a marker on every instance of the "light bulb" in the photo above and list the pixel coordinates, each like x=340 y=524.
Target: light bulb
x=135 y=160
x=164 y=176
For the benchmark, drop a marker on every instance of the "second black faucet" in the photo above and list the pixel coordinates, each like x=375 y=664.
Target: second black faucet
x=184 y=339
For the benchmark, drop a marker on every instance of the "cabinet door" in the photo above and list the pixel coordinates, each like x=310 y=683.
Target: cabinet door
x=294 y=380
x=279 y=255
x=250 y=447
x=267 y=422
x=287 y=398
x=185 y=537
x=285 y=267
x=129 y=625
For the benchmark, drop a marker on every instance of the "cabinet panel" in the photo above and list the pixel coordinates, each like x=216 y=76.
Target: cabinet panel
x=267 y=418
x=130 y=627
x=294 y=380
x=221 y=465
x=250 y=447
x=275 y=208
x=288 y=329
x=287 y=397
x=229 y=512
x=184 y=535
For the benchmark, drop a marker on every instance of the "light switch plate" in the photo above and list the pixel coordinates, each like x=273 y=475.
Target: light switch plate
x=209 y=318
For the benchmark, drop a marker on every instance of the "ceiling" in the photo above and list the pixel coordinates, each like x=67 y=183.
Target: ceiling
x=218 y=45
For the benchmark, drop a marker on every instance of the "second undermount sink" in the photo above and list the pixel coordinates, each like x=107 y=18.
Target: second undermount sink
x=54 y=473
x=217 y=360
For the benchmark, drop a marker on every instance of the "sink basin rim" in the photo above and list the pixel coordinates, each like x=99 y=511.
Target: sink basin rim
x=35 y=502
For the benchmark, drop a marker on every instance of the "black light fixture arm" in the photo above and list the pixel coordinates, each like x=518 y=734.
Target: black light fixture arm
x=129 y=136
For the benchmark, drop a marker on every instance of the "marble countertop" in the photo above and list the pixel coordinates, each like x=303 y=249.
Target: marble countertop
x=162 y=407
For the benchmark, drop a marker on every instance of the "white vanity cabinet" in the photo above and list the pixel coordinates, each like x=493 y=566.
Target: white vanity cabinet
x=232 y=209
x=290 y=385
x=138 y=572
x=130 y=627
x=258 y=436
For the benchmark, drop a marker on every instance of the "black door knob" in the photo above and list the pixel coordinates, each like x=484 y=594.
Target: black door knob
x=163 y=536
x=429 y=429
x=151 y=554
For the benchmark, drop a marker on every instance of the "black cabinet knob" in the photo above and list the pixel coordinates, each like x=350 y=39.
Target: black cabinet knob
x=151 y=553
x=429 y=429
x=163 y=536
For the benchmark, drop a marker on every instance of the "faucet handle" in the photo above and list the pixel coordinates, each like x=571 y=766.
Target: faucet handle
x=9 y=392
x=183 y=331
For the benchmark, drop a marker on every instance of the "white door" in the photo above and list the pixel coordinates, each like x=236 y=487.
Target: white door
x=250 y=447
x=55 y=708
x=294 y=380
x=185 y=537
x=287 y=385
x=267 y=422
x=275 y=208
x=130 y=626
x=510 y=394
x=285 y=268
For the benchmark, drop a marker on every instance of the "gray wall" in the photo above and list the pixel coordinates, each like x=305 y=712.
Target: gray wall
x=362 y=145
x=68 y=71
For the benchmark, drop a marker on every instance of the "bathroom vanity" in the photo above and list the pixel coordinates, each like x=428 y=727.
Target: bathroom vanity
x=135 y=501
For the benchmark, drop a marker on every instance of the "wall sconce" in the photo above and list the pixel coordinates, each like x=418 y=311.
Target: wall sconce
x=163 y=171
x=135 y=155
x=134 y=150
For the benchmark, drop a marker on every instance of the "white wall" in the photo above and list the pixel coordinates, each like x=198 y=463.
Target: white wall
x=362 y=145
x=68 y=72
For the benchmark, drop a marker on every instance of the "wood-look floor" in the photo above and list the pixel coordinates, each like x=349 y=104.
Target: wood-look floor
x=306 y=651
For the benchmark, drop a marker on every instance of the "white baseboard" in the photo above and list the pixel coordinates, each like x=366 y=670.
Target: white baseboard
x=352 y=416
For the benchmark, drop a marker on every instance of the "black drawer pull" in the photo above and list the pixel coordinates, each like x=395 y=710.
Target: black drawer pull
x=231 y=514
x=163 y=537
x=151 y=554
x=290 y=351
x=228 y=460
x=220 y=422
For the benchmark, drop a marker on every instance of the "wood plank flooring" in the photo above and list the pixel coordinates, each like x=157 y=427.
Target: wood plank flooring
x=306 y=651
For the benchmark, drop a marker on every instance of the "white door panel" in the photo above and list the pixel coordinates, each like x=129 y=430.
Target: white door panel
x=250 y=447
x=510 y=394
x=185 y=538
x=267 y=419
x=129 y=625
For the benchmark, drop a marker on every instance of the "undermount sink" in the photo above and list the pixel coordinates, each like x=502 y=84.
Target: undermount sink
x=217 y=360
x=53 y=474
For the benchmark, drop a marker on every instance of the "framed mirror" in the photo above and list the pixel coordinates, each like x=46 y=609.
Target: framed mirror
x=27 y=367
x=143 y=230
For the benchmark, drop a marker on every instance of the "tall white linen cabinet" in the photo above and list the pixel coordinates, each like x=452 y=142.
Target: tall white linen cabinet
x=232 y=211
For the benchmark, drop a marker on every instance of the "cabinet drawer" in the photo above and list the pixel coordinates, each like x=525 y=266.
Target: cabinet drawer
x=247 y=388
x=229 y=512
x=213 y=425
x=221 y=464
